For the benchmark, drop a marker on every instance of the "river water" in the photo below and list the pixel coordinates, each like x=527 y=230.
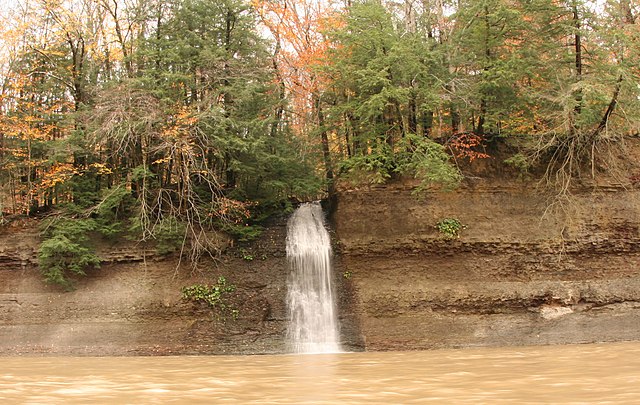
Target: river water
x=581 y=374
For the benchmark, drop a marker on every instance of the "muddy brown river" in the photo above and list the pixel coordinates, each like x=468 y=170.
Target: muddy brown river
x=579 y=374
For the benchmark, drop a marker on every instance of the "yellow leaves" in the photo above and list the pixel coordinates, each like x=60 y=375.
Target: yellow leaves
x=30 y=112
x=30 y=127
x=18 y=153
x=186 y=117
x=299 y=27
x=524 y=122
x=161 y=161
x=14 y=127
x=180 y=124
x=58 y=174
x=233 y=210
x=100 y=168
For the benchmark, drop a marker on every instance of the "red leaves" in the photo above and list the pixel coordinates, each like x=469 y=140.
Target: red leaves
x=466 y=145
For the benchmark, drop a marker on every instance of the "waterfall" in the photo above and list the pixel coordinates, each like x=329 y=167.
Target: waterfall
x=313 y=325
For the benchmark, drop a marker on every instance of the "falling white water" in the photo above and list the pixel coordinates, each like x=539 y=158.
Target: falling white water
x=313 y=327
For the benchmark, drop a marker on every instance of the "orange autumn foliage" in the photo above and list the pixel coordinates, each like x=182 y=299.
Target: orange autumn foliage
x=301 y=48
x=466 y=145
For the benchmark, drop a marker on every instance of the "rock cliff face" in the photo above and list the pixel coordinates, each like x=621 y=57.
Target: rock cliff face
x=521 y=273
x=133 y=304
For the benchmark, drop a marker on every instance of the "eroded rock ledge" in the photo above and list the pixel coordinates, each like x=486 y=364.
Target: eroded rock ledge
x=520 y=273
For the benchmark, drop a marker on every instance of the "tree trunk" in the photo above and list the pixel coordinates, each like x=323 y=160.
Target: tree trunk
x=627 y=18
x=324 y=138
x=413 y=115
x=479 y=130
x=455 y=120
x=126 y=56
x=427 y=122
x=578 y=57
x=483 y=111
x=279 y=111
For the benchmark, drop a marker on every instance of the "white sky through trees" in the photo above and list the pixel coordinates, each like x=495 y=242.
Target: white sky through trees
x=6 y=5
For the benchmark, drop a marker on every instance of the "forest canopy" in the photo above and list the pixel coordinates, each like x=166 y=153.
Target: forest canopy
x=168 y=120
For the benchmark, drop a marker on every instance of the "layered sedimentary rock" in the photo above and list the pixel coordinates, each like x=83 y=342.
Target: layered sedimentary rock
x=133 y=303
x=521 y=271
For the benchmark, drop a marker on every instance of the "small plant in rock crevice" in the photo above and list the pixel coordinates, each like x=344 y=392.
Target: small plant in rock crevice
x=450 y=228
x=212 y=295
x=246 y=256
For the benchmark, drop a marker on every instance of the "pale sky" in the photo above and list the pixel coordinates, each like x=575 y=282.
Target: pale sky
x=6 y=5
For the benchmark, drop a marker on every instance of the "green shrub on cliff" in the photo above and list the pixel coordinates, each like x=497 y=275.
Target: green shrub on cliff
x=212 y=295
x=450 y=228
x=429 y=162
x=66 y=250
